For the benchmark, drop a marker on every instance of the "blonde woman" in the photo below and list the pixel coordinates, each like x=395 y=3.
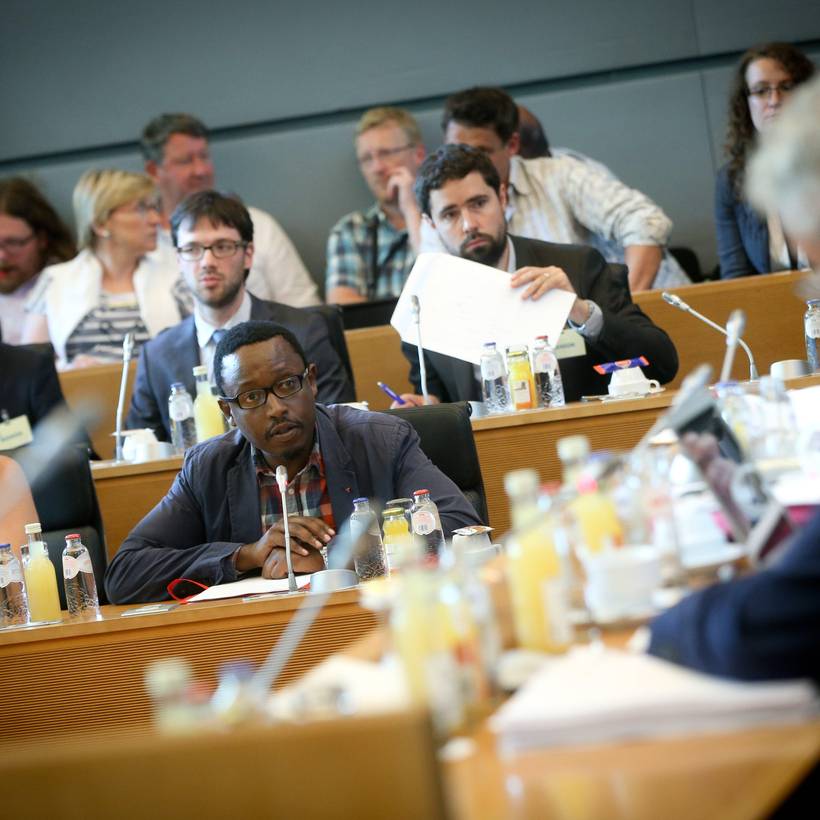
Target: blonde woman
x=85 y=307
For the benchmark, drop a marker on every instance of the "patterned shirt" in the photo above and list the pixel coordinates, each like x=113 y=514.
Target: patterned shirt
x=307 y=493
x=350 y=254
x=101 y=331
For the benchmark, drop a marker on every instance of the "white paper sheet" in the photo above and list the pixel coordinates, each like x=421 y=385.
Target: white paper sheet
x=464 y=304
x=248 y=586
x=594 y=696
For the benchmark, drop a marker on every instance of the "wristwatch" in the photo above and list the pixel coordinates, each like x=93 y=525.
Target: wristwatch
x=580 y=328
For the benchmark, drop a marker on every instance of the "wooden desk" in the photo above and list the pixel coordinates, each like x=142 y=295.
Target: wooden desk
x=126 y=492
x=73 y=677
x=774 y=321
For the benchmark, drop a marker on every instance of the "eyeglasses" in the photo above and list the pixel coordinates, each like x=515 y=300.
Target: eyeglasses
x=283 y=389
x=221 y=249
x=141 y=207
x=15 y=243
x=382 y=154
x=763 y=92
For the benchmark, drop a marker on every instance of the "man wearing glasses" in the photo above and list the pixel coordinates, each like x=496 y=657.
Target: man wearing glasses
x=213 y=236
x=370 y=253
x=222 y=517
x=177 y=157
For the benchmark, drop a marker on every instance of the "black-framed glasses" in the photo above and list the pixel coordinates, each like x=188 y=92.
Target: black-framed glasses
x=763 y=92
x=283 y=389
x=382 y=154
x=15 y=243
x=221 y=249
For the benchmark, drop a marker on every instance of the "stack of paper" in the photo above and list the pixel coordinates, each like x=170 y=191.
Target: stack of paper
x=248 y=586
x=597 y=695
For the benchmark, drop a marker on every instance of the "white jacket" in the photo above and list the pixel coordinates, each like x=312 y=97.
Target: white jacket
x=65 y=293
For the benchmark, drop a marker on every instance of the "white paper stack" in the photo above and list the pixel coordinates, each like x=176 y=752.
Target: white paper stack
x=597 y=695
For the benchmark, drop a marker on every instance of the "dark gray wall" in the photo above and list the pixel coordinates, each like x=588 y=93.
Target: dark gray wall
x=638 y=84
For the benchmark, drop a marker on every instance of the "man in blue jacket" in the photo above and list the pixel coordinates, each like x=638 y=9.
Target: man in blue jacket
x=223 y=515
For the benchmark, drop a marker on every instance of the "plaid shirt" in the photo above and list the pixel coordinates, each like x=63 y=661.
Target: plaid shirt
x=307 y=493
x=350 y=254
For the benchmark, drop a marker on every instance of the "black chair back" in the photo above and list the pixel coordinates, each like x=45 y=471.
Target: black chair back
x=447 y=440
x=332 y=314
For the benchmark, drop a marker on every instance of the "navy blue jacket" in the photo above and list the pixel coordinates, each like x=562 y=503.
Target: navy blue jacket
x=213 y=506
x=173 y=354
x=760 y=627
x=742 y=234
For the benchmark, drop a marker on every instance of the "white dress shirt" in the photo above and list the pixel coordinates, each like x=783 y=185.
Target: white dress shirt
x=205 y=332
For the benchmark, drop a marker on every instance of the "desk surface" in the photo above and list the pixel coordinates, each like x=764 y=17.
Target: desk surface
x=105 y=660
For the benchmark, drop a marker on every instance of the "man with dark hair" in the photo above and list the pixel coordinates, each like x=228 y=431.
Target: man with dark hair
x=461 y=196
x=214 y=238
x=31 y=237
x=559 y=198
x=223 y=515
x=177 y=157
x=532 y=141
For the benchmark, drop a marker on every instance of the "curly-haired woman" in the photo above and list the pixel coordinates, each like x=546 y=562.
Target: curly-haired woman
x=749 y=242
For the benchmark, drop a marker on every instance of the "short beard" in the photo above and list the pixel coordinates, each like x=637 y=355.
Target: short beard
x=488 y=254
x=226 y=299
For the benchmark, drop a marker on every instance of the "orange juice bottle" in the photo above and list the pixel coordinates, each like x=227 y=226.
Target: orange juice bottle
x=41 y=579
x=538 y=588
x=521 y=384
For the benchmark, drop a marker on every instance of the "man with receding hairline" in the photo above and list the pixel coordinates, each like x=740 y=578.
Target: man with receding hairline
x=370 y=253
x=178 y=158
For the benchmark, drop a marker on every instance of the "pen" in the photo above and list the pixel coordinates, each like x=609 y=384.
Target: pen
x=395 y=396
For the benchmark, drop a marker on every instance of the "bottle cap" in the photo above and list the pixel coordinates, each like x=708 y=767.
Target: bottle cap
x=518 y=482
x=572 y=448
x=393 y=511
x=398 y=502
x=5 y=546
x=422 y=492
x=73 y=535
x=200 y=370
x=177 y=386
x=33 y=529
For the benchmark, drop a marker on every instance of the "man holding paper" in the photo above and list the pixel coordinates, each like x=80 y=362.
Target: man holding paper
x=461 y=197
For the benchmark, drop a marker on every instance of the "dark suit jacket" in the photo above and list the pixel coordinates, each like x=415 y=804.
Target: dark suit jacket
x=28 y=383
x=627 y=331
x=172 y=355
x=213 y=506
x=742 y=234
x=765 y=625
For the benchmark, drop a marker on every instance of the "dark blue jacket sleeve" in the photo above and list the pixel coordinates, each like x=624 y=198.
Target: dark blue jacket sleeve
x=734 y=261
x=763 y=626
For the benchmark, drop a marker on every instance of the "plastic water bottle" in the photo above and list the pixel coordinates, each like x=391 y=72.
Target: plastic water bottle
x=494 y=389
x=811 y=324
x=370 y=560
x=78 y=577
x=549 y=389
x=426 y=522
x=181 y=413
x=13 y=601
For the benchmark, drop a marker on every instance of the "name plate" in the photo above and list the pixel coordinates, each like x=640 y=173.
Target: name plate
x=570 y=344
x=15 y=433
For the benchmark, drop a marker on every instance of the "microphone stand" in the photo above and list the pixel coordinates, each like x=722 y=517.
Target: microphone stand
x=414 y=301
x=344 y=548
x=282 y=482
x=677 y=302
x=127 y=350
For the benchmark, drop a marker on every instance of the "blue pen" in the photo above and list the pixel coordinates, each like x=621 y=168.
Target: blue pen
x=395 y=396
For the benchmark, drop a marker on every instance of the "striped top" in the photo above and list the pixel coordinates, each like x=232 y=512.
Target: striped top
x=101 y=331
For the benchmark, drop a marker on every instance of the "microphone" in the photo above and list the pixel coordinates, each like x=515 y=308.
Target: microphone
x=677 y=302
x=734 y=327
x=127 y=351
x=416 y=307
x=282 y=483
x=345 y=546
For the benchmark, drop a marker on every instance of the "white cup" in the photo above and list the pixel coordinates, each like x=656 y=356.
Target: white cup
x=621 y=582
x=631 y=380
